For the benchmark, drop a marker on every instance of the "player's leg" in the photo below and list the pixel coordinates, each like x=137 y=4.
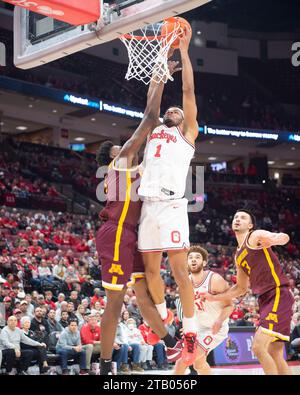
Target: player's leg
x=148 y=309
x=178 y=263
x=109 y=324
x=276 y=351
x=156 y=286
x=150 y=313
x=180 y=367
x=149 y=244
x=201 y=364
x=174 y=233
x=260 y=348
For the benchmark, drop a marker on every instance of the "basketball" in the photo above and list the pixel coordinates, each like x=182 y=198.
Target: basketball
x=171 y=24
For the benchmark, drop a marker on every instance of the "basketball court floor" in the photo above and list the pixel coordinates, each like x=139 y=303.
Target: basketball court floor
x=234 y=370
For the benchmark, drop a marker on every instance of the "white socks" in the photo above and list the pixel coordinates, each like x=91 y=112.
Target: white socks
x=162 y=309
x=189 y=325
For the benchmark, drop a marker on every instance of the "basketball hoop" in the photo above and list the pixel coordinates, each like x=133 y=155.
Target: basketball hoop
x=148 y=50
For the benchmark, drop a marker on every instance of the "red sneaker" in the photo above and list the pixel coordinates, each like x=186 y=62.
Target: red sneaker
x=189 y=348
x=170 y=318
x=152 y=338
x=174 y=353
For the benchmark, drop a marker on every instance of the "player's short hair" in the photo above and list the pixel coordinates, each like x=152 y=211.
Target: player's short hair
x=199 y=250
x=103 y=155
x=247 y=211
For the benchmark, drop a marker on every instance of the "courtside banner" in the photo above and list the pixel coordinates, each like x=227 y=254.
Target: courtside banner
x=75 y=12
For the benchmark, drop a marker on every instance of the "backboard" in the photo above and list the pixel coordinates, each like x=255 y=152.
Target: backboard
x=39 y=39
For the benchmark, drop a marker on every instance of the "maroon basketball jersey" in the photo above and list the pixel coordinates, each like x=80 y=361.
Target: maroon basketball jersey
x=122 y=204
x=262 y=266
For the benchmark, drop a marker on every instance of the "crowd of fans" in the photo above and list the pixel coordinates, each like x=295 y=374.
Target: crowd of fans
x=51 y=299
x=50 y=292
x=18 y=184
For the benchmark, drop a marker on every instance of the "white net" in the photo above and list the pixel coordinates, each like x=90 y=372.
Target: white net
x=148 y=53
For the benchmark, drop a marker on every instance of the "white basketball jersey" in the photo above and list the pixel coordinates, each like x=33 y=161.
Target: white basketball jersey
x=166 y=164
x=206 y=312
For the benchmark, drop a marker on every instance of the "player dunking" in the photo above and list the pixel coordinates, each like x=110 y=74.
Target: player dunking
x=257 y=263
x=117 y=237
x=211 y=317
x=164 y=221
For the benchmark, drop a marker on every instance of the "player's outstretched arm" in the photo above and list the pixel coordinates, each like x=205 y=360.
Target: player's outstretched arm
x=239 y=289
x=219 y=285
x=190 y=125
x=150 y=119
x=265 y=239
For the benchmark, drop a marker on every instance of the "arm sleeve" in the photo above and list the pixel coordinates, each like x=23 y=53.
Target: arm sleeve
x=63 y=341
x=30 y=342
x=5 y=340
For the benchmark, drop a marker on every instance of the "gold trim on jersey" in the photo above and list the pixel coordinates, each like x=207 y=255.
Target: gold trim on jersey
x=117 y=268
x=134 y=277
x=112 y=287
x=275 y=334
x=241 y=261
x=122 y=218
x=241 y=256
x=273 y=316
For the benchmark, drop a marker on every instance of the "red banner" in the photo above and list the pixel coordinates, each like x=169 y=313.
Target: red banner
x=75 y=12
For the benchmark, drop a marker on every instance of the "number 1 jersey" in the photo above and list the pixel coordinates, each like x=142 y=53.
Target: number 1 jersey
x=166 y=164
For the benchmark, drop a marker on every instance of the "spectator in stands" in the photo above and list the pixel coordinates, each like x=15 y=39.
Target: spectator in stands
x=71 y=311
x=91 y=334
x=24 y=309
x=134 y=310
x=8 y=306
x=45 y=274
x=59 y=269
x=64 y=320
x=38 y=353
x=60 y=298
x=48 y=300
x=18 y=314
x=238 y=313
x=54 y=326
x=158 y=348
x=69 y=346
x=121 y=348
x=10 y=344
x=80 y=316
x=74 y=298
x=97 y=298
x=136 y=342
x=39 y=326
x=59 y=311
x=67 y=286
x=30 y=306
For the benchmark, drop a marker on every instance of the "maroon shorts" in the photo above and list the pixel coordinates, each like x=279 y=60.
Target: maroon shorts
x=275 y=309
x=121 y=264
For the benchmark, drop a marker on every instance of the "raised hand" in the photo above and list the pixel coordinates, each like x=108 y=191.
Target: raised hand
x=173 y=66
x=185 y=39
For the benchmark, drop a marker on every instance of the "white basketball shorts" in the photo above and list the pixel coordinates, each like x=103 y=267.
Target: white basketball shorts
x=207 y=341
x=164 y=225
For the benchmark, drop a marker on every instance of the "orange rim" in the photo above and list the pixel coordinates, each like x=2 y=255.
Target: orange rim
x=141 y=38
x=130 y=36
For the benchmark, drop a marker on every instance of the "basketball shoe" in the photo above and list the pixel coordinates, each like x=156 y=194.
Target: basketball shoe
x=189 y=348
x=174 y=353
